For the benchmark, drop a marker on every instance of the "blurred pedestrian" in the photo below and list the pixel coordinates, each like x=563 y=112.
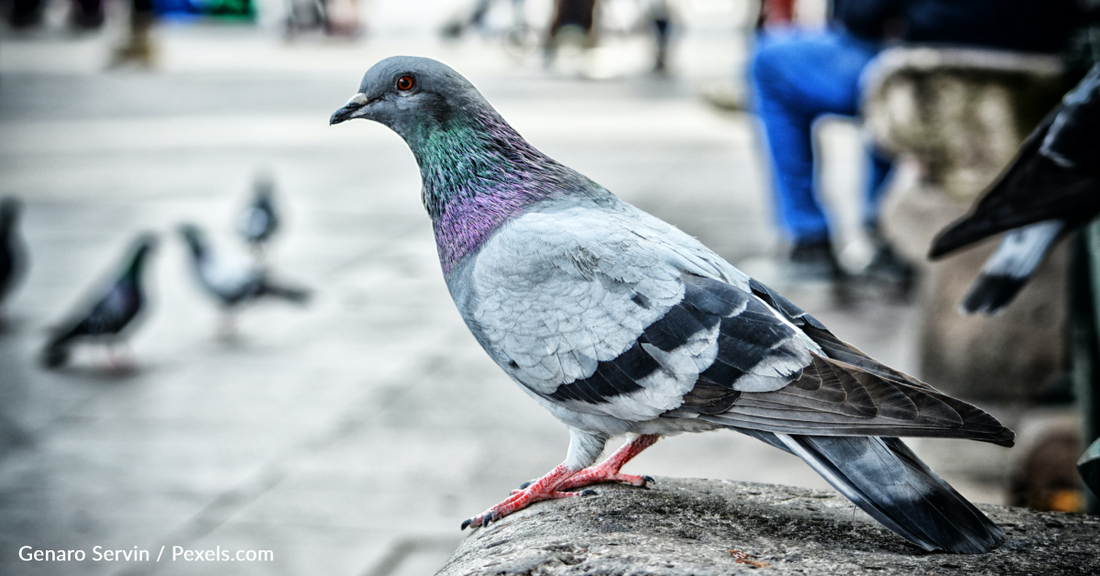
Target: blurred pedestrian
x=661 y=18
x=800 y=75
x=333 y=17
x=572 y=23
x=477 y=18
x=138 y=46
x=85 y=14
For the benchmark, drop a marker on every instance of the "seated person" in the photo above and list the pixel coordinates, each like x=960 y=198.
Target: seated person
x=800 y=75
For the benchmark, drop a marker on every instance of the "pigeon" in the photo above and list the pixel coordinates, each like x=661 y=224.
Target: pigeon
x=113 y=312
x=1051 y=188
x=12 y=256
x=233 y=282
x=258 y=221
x=619 y=323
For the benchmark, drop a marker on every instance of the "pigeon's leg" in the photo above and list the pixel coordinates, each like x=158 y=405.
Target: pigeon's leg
x=608 y=470
x=584 y=448
x=545 y=488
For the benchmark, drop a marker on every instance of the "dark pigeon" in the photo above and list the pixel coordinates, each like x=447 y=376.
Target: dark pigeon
x=258 y=221
x=1051 y=188
x=618 y=323
x=233 y=282
x=112 y=314
x=13 y=257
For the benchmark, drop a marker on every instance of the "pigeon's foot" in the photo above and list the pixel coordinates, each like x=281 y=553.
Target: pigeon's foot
x=555 y=484
x=545 y=488
x=608 y=470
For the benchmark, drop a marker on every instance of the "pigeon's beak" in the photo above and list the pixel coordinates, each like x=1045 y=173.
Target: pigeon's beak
x=355 y=108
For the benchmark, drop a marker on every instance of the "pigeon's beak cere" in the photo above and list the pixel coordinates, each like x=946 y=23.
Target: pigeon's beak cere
x=353 y=109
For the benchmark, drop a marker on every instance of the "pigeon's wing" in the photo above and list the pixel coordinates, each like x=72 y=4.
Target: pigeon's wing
x=1072 y=139
x=1011 y=265
x=606 y=314
x=844 y=392
x=109 y=315
x=229 y=277
x=1055 y=175
x=589 y=310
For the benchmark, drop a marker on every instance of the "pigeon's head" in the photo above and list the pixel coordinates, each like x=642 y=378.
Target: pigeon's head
x=411 y=95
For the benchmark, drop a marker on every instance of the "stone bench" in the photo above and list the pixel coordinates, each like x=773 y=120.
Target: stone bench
x=955 y=118
x=713 y=527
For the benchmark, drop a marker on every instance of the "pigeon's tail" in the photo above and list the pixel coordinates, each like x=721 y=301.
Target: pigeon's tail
x=886 y=480
x=288 y=293
x=1011 y=266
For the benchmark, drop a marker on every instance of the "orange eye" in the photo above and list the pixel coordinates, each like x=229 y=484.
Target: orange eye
x=405 y=83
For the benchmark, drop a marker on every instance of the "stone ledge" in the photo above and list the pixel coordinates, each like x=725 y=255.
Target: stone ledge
x=715 y=527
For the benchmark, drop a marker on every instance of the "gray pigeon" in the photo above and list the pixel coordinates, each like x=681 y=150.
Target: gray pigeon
x=112 y=313
x=1051 y=188
x=619 y=323
x=258 y=221
x=233 y=282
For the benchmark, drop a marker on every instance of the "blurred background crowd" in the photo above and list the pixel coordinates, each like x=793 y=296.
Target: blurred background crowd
x=169 y=183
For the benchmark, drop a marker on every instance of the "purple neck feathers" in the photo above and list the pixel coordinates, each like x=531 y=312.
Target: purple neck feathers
x=477 y=174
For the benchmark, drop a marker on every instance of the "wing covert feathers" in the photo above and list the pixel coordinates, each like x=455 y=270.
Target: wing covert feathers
x=842 y=392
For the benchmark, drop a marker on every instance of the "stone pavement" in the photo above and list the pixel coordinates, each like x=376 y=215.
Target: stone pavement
x=354 y=435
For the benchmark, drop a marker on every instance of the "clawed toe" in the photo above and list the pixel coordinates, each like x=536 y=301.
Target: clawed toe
x=479 y=521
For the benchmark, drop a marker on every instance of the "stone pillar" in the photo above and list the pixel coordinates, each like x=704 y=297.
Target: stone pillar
x=955 y=118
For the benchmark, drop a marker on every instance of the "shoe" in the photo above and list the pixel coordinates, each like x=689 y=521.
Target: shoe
x=889 y=270
x=813 y=261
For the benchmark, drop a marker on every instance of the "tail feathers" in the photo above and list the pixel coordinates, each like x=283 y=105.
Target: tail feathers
x=289 y=293
x=1011 y=266
x=886 y=480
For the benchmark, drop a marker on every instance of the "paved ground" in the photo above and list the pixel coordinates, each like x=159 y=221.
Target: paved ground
x=351 y=436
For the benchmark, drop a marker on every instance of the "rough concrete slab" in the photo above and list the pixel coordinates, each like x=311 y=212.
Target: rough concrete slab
x=710 y=527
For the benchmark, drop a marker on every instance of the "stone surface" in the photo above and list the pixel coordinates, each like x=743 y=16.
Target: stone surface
x=712 y=527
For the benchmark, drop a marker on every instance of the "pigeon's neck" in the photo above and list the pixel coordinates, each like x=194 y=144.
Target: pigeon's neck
x=133 y=272
x=477 y=174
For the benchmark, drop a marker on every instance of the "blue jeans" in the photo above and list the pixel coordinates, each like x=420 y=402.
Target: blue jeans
x=797 y=77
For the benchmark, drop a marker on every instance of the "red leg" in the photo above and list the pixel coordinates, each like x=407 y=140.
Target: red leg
x=562 y=478
x=545 y=488
x=608 y=470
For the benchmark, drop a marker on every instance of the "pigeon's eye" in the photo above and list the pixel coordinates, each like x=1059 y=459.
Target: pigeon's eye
x=405 y=83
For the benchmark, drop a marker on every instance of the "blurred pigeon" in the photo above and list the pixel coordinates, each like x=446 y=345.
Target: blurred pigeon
x=617 y=322
x=114 y=310
x=13 y=258
x=233 y=282
x=258 y=221
x=1051 y=188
